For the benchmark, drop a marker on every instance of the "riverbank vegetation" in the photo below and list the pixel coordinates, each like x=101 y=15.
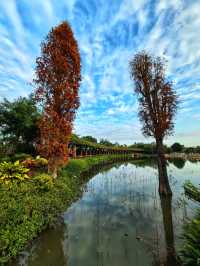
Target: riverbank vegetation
x=29 y=205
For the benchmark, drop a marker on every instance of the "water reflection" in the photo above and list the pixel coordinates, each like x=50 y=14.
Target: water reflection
x=119 y=220
x=171 y=257
x=47 y=250
x=178 y=162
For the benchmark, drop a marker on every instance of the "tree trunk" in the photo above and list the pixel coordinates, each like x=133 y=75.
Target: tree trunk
x=52 y=168
x=164 y=187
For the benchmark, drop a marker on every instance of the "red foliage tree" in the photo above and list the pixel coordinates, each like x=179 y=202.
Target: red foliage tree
x=57 y=80
x=157 y=105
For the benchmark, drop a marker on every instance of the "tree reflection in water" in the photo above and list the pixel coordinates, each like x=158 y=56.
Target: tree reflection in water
x=166 y=206
x=178 y=162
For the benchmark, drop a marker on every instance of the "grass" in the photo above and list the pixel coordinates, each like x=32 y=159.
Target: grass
x=29 y=207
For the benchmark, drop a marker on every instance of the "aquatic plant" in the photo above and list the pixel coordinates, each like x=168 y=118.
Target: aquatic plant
x=190 y=252
x=192 y=191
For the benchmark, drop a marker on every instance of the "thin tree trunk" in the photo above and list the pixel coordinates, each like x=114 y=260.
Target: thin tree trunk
x=52 y=168
x=164 y=187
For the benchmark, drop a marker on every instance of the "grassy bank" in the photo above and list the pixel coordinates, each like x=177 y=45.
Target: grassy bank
x=29 y=207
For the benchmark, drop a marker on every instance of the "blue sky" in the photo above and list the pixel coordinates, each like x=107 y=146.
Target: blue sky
x=109 y=33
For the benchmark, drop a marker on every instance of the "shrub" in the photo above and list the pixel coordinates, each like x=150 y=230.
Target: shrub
x=30 y=163
x=43 y=181
x=41 y=161
x=12 y=171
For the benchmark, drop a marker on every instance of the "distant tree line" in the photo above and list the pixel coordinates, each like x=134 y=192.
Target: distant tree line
x=102 y=141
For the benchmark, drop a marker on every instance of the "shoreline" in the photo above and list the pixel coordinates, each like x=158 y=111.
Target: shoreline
x=34 y=211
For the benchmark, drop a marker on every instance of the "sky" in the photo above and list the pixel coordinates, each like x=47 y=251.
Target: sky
x=109 y=34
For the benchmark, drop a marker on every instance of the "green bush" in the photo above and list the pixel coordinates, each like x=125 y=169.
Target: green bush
x=12 y=171
x=29 y=163
x=41 y=161
x=38 y=162
x=43 y=181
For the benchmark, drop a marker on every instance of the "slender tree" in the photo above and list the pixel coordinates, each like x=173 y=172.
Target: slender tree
x=57 y=84
x=157 y=105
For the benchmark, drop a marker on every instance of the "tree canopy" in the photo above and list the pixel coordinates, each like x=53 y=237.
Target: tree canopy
x=57 y=84
x=177 y=147
x=18 y=122
x=105 y=142
x=157 y=99
x=89 y=138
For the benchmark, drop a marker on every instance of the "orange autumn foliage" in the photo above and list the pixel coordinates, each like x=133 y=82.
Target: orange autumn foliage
x=57 y=80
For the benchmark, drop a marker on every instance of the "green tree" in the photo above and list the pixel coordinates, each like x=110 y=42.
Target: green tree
x=18 y=123
x=105 y=142
x=90 y=139
x=177 y=147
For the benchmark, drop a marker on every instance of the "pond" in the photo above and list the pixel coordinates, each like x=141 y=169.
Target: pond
x=119 y=220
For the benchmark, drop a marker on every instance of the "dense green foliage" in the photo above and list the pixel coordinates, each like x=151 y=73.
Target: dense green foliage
x=149 y=148
x=177 y=147
x=29 y=207
x=107 y=145
x=10 y=172
x=18 y=125
x=191 y=248
x=106 y=142
x=192 y=149
x=89 y=138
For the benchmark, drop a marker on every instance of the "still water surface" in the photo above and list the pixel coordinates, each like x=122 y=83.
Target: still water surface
x=119 y=220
